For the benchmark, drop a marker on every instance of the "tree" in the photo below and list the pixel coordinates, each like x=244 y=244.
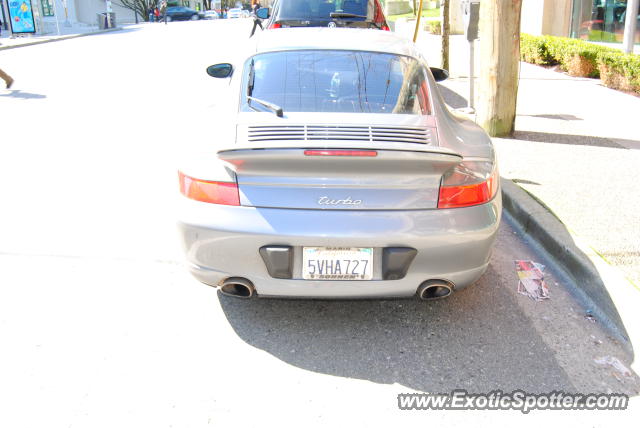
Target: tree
x=141 y=7
x=499 y=62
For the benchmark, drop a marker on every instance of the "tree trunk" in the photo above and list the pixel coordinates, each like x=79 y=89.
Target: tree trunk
x=445 y=35
x=499 y=65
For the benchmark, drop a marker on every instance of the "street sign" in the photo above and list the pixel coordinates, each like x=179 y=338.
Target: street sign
x=21 y=17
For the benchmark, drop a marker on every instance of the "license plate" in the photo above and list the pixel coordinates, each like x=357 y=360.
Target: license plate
x=332 y=263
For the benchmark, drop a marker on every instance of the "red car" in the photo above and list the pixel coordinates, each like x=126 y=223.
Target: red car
x=323 y=13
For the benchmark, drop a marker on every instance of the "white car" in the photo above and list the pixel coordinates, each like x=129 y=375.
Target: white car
x=235 y=13
x=211 y=14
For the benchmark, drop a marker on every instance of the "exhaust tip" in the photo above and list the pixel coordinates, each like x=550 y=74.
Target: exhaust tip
x=434 y=289
x=238 y=287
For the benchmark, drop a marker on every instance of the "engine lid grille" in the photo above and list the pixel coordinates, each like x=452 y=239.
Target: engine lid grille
x=402 y=134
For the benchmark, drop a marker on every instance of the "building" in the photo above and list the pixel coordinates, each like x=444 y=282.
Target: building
x=594 y=20
x=72 y=14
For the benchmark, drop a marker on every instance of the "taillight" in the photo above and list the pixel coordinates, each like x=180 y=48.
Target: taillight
x=213 y=192
x=275 y=25
x=365 y=153
x=470 y=183
x=385 y=28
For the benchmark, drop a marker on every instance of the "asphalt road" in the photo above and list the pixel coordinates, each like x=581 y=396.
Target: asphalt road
x=100 y=324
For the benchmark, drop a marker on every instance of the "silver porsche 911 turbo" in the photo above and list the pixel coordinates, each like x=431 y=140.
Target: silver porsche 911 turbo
x=346 y=176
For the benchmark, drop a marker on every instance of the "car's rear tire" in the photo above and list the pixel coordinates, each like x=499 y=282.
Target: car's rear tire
x=169 y=19
x=195 y=17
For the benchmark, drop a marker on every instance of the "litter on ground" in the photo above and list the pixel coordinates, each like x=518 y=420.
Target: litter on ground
x=531 y=281
x=615 y=363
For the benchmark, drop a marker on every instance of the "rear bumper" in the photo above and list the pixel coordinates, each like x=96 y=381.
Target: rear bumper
x=223 y=241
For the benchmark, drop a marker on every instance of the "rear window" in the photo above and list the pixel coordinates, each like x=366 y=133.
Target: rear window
x=336 y=81
x=319 y=9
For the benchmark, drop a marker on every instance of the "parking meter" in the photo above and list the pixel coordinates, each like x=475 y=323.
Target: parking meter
x=471 y=18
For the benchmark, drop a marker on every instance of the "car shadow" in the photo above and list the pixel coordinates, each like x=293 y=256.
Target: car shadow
x=475 y=339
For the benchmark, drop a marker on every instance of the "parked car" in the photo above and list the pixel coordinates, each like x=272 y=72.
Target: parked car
x=180 y=13
x=321 y=13
x=343 y=174
x=211 y=14
x=235 y=13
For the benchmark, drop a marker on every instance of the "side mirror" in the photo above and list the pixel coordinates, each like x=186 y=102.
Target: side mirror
x=220 y=71
x=263 y=13
x=439 y=74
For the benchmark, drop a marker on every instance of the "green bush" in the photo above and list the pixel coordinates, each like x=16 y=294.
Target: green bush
x=534 y=50
x=433 y=27
x=580 y=58
x=619 y=70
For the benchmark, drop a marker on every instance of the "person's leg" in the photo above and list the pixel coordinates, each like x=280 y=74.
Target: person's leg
x=8 y=80
x=259 y=23
x=255 y=24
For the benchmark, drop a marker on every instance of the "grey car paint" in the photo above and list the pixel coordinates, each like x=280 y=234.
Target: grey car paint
x=279 y=196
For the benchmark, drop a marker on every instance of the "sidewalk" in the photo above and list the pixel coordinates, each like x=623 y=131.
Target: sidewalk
x=78 y=30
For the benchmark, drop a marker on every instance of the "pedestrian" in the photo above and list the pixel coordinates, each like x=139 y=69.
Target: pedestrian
x=256 y=21
x=151 y=13
x=8 y=80
x=156 y=13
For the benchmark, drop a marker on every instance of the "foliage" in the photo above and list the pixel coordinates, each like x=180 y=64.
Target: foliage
x=430 y=13
x=433 y=27
x=141 y=7
x=534 y=50
x=619 y=70
x=580 y=58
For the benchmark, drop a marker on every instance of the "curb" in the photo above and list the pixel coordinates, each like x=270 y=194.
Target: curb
x=59 y=38
x=586 y=281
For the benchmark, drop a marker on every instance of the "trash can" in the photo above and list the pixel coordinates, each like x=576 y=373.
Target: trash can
x=102 y=20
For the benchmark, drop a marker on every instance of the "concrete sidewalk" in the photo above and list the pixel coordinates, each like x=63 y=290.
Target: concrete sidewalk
x=17 y=41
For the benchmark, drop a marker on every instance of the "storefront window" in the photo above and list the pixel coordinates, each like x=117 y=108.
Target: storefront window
x=601 y=20
x=47 y=7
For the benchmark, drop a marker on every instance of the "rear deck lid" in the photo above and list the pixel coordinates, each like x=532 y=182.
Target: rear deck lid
x=340 y=176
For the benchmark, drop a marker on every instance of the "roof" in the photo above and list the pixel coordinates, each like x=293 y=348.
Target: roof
x=336 y=39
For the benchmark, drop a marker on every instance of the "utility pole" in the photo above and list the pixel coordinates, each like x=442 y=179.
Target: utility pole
x=55 y=12
x=445 y=34
x=631 y=21
x=109 y=13
x=499 y=62
x=417 y=29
